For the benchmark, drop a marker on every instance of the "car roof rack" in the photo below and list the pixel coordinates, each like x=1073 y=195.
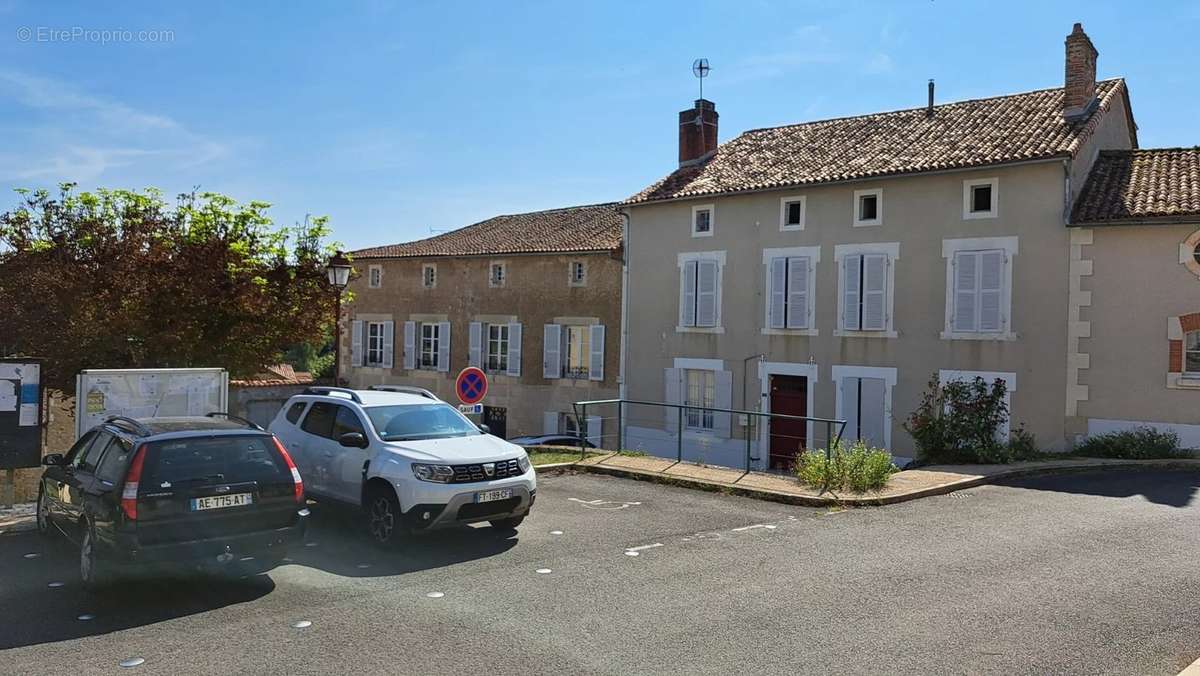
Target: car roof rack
x=127 y=423
x=326 y=391
x=235 y=418
x=409 y=389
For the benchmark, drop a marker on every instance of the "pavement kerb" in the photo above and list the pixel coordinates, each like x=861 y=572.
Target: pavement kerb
x=870 y=501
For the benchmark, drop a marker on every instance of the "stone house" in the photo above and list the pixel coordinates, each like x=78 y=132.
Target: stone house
x=533 y=299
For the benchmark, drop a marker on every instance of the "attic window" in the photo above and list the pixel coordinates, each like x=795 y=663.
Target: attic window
x=791 y=213
x=868 y=207
x=980 y=197
x=429 y=276
x=702 y=221
x=498 y=275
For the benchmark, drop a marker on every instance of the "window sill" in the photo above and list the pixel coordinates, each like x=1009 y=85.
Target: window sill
x=790 y=332
x=1177 y=381
x=699 y=329
x=843 y=333
x=868 y=224
x=702 y=234
x=1001 y=337
x=975 y=215
x=794 y=227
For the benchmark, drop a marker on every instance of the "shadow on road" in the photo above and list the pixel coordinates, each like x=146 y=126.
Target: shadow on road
x=1174 y=489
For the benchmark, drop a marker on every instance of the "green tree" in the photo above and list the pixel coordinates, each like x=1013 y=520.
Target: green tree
x=120 y=279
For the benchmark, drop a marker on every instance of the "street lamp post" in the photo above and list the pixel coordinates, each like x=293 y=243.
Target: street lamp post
x=338 y=270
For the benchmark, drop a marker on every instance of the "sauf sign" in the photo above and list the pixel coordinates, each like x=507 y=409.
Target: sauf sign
x=471 y=386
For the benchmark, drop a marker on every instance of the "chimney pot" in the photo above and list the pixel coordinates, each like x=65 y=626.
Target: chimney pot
x=1079 y=85
x=929 y=108
x=697 y=132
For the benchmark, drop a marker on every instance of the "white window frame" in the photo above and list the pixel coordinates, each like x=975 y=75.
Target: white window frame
x=429 y=275
x=892 y=251
x=584 y=348
x=582 y=281
x=950 y=247
x=1188 y=251
x=885 y=373
x=712 y=220
x=696 y=420
x=784 y=226
x=685 y=364
x=369 y=346
x=989 y=377
x=969 y=186
x=682 y=260
x=493 y=280
x=497 y=347
x=435 y=343
x=855 y=211
x=813 y=254
x=374 y=276
x=1185 y=372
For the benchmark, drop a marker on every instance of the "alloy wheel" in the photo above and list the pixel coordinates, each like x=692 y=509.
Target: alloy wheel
x=383 y=519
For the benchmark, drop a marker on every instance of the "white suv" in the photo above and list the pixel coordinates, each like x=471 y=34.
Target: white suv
x=409 y=459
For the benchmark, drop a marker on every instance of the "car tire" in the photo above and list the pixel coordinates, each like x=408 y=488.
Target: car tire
x=93 y=572
x=385 y=525
x=507 y=524
x=43 y=512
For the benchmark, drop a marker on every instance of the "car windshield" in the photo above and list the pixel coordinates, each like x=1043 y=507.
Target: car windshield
x=420 y=421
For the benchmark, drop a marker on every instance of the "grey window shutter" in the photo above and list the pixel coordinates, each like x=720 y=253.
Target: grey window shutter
x=596 y=356
x=778 y=293
x=874 y=292
x=966 y=291
x=706 y=293
x=552 y=351
x=851 y=271
x=410 y=345
x=550 y=422
x=850 y=410
x=991 y=288
x=797 y=293
x=673 y=381
x=443 y=346
x=474 y=344
x=723 y=398
x=514 y=349
x=871 y=415
x=595 y=427
x=389 y=343
x=356 y=343
x=687 y=295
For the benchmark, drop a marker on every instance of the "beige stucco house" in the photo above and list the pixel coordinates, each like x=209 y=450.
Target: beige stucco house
x=533 y=299
x=833 y=268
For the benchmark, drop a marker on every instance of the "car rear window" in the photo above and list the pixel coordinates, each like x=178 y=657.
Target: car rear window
x=226 y=459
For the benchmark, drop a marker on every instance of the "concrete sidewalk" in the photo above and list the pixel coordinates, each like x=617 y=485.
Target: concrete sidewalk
x=903 y=486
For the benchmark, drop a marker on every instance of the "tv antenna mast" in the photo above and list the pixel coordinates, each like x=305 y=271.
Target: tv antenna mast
x=700 y=69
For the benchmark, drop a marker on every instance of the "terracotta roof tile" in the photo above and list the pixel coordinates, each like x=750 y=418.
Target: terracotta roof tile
x=1134 y=185
x=594 y=227
x=978 y=132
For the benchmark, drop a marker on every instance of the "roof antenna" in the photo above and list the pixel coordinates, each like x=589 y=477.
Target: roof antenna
x=700 y=69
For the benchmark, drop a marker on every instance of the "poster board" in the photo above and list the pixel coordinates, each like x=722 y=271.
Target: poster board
x=146 y=393
x=20 y=413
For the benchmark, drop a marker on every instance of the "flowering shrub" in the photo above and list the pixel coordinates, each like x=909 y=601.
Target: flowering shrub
x=960 y=421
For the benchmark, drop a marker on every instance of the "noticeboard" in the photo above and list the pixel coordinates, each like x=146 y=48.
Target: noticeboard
x=20 y=413
x=147 y=393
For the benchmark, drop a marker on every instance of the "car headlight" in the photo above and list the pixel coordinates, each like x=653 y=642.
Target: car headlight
x=523 y=462
x=441 y=474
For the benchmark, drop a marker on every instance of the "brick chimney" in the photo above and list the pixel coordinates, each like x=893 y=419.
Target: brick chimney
x=1079 y=87
x=697 y=132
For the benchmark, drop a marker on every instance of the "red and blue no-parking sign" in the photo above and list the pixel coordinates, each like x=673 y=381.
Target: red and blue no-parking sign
x=471 y=385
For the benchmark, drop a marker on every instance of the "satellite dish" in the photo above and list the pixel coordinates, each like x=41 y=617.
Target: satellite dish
x=700 y=69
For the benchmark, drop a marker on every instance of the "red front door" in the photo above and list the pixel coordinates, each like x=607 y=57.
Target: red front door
x=789 y=396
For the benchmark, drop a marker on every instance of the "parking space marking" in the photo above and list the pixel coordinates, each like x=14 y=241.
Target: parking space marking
x=767 y=526
x=302 y=624
x=604 y=504
x=643 y=548
x=435 y=595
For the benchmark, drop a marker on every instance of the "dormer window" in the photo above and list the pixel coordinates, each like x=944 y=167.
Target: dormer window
x=702 y=221
x=868 y=207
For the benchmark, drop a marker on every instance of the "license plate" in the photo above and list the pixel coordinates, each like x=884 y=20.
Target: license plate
x=221 y=501
x=492 y=496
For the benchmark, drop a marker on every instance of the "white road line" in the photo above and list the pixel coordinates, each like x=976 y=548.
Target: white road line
x=768 y=526
x=643 y=547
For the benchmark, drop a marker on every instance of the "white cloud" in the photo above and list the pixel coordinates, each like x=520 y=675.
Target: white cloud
x=879 y=64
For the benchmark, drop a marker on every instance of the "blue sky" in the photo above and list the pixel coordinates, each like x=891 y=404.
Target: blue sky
x=401 y=118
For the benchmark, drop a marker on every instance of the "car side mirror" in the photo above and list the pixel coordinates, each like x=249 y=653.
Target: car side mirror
x=353 y=440
x=52 y=459
x=484 y=428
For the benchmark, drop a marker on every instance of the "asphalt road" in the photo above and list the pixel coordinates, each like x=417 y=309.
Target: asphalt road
x=1079 y=574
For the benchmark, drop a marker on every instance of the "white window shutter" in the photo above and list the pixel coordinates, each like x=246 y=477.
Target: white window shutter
x=673 y=381
x=723 y=398
x=966 y=291
x=706 y=293
x=596 y=356
x=874 y=292
x=356 y=343
x=410 y=345
x=991 y=289
x=474 y=344
x=777 y=294
x=552 y=351
x=687 y=295
x=851 y=266
x=514 y=349
x=550 y=422
x=389 y=343
x=443 y=346
x=797 y=293
x=872 y=414
x=595 y=427
x=850 y=409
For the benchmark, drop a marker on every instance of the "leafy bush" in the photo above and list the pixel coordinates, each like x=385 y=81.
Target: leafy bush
x=960 y=421
x=857 y=468
x=1135 y=444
